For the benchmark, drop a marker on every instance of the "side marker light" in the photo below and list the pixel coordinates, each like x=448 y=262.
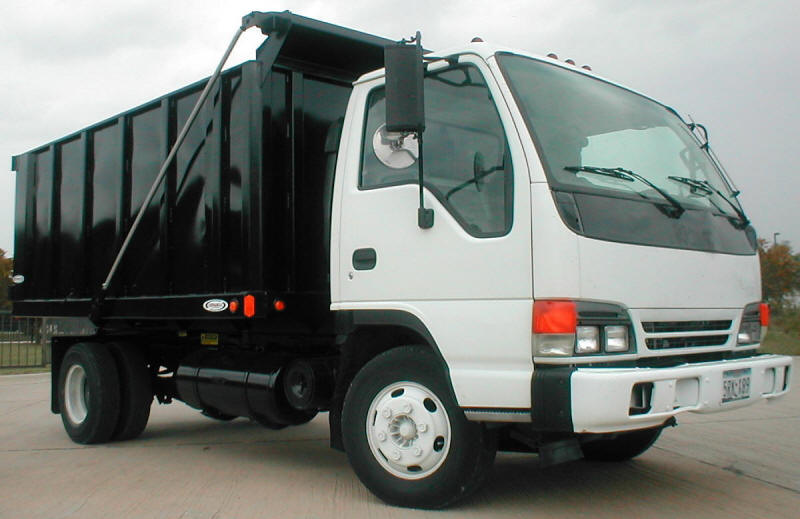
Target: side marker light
x=249 y=305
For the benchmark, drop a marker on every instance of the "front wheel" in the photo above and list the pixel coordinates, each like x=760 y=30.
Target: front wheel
x=622 y=447
x=406 y=438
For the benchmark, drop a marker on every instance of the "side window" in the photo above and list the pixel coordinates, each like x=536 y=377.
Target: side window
x=466 y=158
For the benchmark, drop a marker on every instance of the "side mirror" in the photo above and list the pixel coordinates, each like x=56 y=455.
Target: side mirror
x=405 y=103
x=405 y=106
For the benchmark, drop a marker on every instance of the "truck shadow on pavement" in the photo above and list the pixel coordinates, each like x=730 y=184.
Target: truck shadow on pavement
x=657 y=483
x=517 y=483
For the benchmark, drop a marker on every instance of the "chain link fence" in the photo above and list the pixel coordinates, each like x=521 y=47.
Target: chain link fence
x=22 y=344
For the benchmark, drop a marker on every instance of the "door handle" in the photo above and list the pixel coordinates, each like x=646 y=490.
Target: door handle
x=365 y=259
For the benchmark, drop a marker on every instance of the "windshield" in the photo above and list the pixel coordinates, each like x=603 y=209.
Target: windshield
x=585 y=127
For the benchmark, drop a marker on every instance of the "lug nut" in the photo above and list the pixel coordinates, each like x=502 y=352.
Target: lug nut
x=407 y=408
x=396 y=455
x=422 y=427
x=387 y=413
x=417 y=452
x=382 y=436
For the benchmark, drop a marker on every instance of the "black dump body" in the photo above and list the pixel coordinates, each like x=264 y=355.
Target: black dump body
x=244 y=208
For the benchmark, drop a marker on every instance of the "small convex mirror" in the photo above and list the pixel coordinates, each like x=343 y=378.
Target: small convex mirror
x=396 y=150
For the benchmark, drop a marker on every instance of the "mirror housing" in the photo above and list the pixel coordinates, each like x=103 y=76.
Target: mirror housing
x=405 y=105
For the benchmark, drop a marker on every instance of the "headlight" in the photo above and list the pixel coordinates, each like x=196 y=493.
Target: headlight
x=587 y=339
x=750 y=328
x=563 y=328
x=616 y=339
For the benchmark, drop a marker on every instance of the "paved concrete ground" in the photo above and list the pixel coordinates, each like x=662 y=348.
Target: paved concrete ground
x=740 y=464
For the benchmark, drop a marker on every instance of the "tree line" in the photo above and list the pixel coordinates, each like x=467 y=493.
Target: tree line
x=780 y=275
x=6 y=271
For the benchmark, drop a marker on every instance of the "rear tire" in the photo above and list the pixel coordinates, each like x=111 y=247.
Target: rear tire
x=622 y=447
x=88 y=393
x=405 y=436
x=136 y=392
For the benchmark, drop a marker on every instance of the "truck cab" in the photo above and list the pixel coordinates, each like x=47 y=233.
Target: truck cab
x=584 y=238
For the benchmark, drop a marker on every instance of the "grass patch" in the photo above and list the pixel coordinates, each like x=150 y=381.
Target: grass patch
x=783 y=336
x=16 y=354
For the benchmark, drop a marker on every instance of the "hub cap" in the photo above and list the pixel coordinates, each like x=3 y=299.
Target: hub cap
x=76 y=394
x=408 y=430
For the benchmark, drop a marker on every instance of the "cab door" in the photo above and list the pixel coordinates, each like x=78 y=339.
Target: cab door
x=467 y=278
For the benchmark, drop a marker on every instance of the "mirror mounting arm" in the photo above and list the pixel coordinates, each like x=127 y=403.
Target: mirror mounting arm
x=424 y=216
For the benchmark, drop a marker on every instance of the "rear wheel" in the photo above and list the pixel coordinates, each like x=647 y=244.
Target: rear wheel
x=136 y=393
x=406 y=438
x=622 y=447
x=88 y=393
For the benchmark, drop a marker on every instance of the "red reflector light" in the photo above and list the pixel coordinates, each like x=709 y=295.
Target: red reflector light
x=279 y=305
x=233 y=306
x=554 y=317
x=764 y=314
x=249 y=305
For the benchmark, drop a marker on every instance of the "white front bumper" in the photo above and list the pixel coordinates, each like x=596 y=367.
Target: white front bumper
x=601 y=397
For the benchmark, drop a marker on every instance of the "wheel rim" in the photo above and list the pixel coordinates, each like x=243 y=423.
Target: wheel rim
x=76 y=394
x=408 y=430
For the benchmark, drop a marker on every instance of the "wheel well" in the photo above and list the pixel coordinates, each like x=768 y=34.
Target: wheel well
x=362 y=345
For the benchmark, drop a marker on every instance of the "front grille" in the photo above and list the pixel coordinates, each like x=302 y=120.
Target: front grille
x=685 y=326
x=663 y=343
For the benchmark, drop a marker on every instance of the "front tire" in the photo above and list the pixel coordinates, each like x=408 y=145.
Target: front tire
x=407 y=439
x=622 y=447
x=88 y=393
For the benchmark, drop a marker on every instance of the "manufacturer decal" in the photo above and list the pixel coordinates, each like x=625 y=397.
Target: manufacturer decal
x=215 y=305
x=18 y=278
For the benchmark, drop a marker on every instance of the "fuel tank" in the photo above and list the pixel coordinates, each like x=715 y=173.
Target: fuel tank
x=238 y=384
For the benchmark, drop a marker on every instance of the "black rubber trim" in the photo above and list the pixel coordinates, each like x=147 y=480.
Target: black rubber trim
x=394 y=318
x=551 y=396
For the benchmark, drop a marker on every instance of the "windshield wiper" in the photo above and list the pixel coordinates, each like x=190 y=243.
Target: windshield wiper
x=626 y=174
x=694 y=184
x=706 y=187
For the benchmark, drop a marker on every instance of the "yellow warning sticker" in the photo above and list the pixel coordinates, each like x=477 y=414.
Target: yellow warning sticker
x=209 y=339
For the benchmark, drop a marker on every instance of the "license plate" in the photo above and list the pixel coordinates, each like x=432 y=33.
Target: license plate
x=735 y=385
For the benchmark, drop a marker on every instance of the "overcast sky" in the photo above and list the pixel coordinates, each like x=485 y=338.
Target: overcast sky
x=734 y=65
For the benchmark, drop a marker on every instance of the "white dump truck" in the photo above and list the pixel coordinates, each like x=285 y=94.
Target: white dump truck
x=450 y=252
